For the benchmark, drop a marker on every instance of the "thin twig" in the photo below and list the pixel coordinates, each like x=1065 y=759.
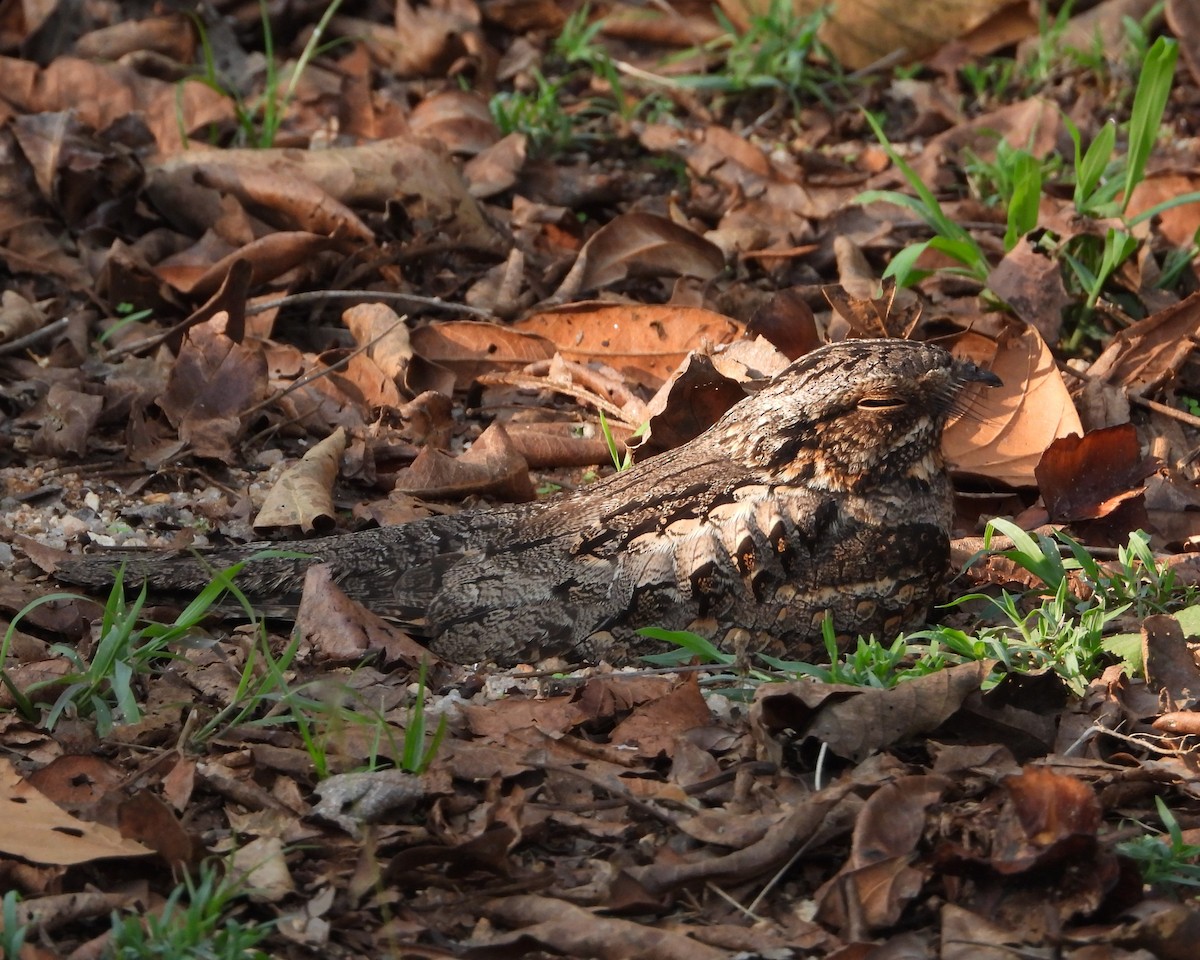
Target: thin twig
x=323 y=372
x=376 y=296
x=41 y=333
x=1175 y=414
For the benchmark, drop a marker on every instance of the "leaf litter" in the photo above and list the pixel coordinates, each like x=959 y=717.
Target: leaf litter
x=176 y=371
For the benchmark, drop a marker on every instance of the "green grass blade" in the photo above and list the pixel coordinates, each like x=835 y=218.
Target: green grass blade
x=1154 y=87
x=693 y=643
x=1026 y=197
x=1090 y=169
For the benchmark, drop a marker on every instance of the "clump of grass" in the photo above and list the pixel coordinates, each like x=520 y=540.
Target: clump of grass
x=1052 y=628
x=202 y=928
x=1102 y=180
x=259 y=120
x=102 y=682
x=1167 y=862
x=779 y=51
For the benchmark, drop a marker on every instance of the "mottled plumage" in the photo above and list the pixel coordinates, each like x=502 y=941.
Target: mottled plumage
x=825 y=491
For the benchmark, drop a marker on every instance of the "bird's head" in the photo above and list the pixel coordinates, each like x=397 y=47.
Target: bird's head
x=853 y=415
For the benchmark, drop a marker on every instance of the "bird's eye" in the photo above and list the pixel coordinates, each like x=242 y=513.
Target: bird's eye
x=881 y=403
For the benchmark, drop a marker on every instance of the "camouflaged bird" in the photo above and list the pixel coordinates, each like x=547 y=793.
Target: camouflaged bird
x=825 y=492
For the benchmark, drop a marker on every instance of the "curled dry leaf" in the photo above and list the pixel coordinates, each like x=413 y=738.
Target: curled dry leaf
x=172 y=36
x=458 y=119
x=418 y=174
x=343 y=631
x=103 y=94
x=18 y=316
x=496 y=169
x=380 y=326
x=376 y=390
x=1183 y=17
x=878 y=878
x=855 y=722
x=491 y=465
x=66 y=419
x=1031 y=282
x=269 y=257
x=212 y=382
x=647 y=341
x=286 y=199
x=262 y=871
x=1047 y=816
x=564 y=444
x=1170 y=667
x=654 y=726
x=894 y=314
x=566 y=929
x=596 y=386
x=302 y=497
x=640 y=245
x=471 y=347
x=695 y=398
x=1083 y=478
x=1143 y=357
x=1006 y=429
x=786 y=321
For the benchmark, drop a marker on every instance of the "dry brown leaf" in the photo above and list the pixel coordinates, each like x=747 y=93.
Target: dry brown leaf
x=458 y=119
x=146 y=818
x=380 y=326
x=1084 y=478
x=286 y=199
x=1178 y=224
x=894 y=314
x=1144 y=357
x=640 y=245
x=269 y=257
x=597 y=386
x=375 y=389
x=497 y=168
x=497 y=721
x=39 y=831
x=877 y=882
x=859 y=34
x=1170 y=667
x=568 y=930
x=212 y=383
x=102 y=94
x=343 y=631
x=1008 y=428
x=804 y=818
x=854 y=722
x=564 y=444
x=66 y=419
x=654 y=726
x=418 y=174
x=647 y=341
x=470 y=348
x=1183 y=17
x=787 y=322
x=1033 y=124
x=18 y=316
x=1031 y=283
x=171 y=36
x=490 y=466
x=303 y=495
x=1046 y=817
x=695 y=398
